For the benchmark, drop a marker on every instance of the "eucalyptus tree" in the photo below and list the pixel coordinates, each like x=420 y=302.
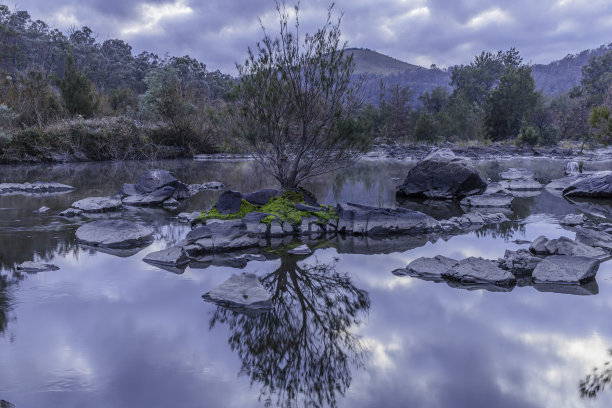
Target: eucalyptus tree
x=297 y=104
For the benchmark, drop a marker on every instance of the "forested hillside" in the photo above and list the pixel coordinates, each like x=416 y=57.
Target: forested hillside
x=69 y=96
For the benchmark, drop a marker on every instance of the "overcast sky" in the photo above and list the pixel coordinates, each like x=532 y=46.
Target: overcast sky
x=444 y=32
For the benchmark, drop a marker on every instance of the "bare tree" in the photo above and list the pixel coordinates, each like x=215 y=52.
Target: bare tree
x=297 y=102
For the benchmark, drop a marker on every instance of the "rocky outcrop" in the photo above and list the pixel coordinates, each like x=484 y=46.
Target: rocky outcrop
x=594 y=238
x=443 y=175
x=565 y=270
x=242 y=293
x=161 y=188
x=596 y=185
x=565 y=246
x=120 y=234
x=37 y=187
x=520 y=263
x=32 y=267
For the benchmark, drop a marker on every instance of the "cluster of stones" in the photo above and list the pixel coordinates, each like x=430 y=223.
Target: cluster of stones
x=256 y=229
x=154 y=188
x=38 y=187
x=560 y=265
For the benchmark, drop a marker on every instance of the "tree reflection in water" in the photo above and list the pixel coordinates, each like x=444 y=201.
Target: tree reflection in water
x=597 y=381
x=304 y=349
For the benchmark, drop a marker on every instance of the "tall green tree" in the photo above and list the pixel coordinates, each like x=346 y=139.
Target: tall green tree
x=514 y=99
x=297 y=102
x=77 y=91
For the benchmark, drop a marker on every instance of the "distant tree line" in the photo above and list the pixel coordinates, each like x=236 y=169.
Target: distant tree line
x=494 y=99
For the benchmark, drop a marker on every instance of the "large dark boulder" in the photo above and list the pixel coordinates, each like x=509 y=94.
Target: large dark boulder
x=443 y=175
x=598 y=185
x=261 y=197
x=365 y=220
x=154 y=180
x=229 y=202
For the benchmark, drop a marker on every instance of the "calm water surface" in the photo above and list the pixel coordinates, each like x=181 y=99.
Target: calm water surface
x=110 y=331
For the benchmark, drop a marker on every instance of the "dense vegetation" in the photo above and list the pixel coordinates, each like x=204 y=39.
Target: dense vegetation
x=77 y=95
x=495 y=99
x=67 y=96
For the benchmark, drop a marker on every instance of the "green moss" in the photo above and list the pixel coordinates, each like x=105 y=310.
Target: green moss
x=281 y=209
x=245 y=208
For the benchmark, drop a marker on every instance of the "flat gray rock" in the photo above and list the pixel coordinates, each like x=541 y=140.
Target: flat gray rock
x=516 y=174
x=430 y=268
x=172 y=256
x=477 y=270
x=596 y=185
x=565 y=270
x=496 y=200
x=97 y=204
x=562 y=183
x=243 y=293
x=301 y=250
x=121 y=234
x=156 y=179
x=30 y=266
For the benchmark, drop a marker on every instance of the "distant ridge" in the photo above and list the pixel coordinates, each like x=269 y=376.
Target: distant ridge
x=371 y=62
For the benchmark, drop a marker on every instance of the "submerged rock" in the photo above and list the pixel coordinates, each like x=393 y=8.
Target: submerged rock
x=521 y=185
x=598 y=184
x=114 y=234
x=496 y=200
x=443 y=175
x=565 y=269
x=301 y=250
x=516 y=174
x=477 y=270
x=97 y=204
x=242 y=293
x=572 y=219
x=37 y=187
x=30 y=266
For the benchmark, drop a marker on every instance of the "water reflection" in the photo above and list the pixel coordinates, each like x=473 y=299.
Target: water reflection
x=599 y=379
x=303 y=351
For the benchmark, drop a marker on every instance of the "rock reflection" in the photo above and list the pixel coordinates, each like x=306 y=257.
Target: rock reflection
x=303 y=351
x=599 y=379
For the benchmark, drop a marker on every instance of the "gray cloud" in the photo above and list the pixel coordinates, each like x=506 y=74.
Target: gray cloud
x=445 y=32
